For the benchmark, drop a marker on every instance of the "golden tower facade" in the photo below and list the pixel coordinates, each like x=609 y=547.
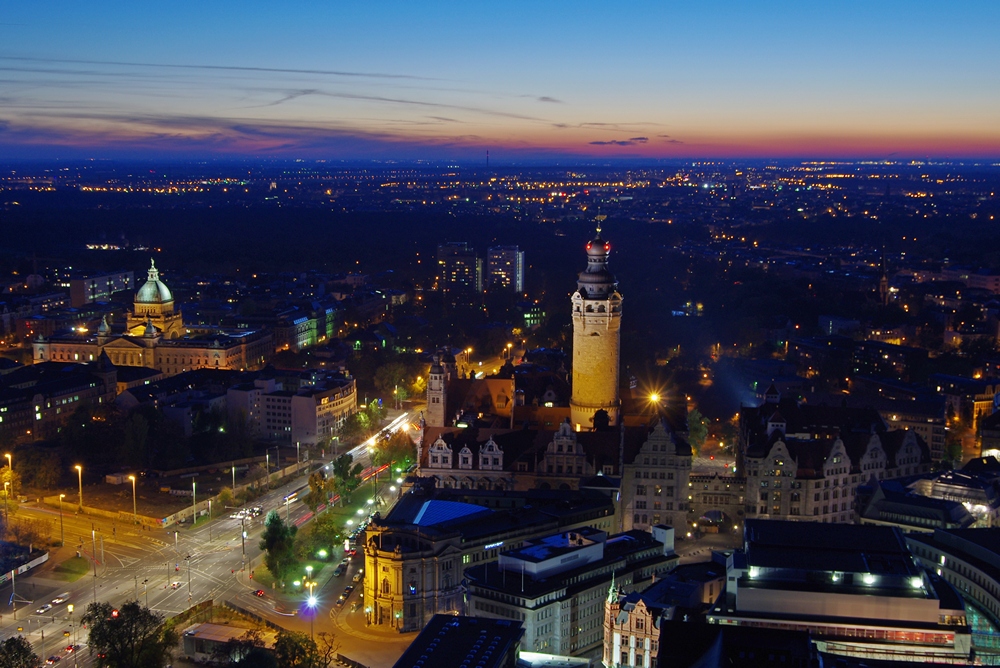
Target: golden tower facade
x=597 y=314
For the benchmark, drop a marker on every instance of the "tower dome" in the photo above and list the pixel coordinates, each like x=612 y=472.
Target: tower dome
x=153 y=290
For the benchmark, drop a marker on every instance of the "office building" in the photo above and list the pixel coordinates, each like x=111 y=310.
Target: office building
x=98 y=288
x=556 y=585
x=505 y=267
x=460 y=270
x=857 y=589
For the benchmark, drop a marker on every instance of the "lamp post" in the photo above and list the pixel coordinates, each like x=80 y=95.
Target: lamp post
x=243 y=541
x=69 y=609
x=194 y=503
x=62 y=532
x=267 y=465
x=188 y=559
x=79 y=475
x=145 y=589
x=311 y=602
x=298 y=457
x=135 y=514
x=233 y=469
x=6 y=495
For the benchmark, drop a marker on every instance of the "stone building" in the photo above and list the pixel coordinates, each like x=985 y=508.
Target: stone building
x=597 y=314
x=416 y=555
x=805 y=462
x=154 y=303
x=155 y=338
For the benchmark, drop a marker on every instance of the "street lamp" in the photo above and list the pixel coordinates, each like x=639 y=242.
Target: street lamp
x=135 y=514
x=267 y=465
x=6 y=495
x=62 y=533
x=194 y=504
x=79 y=475
x=311 y=603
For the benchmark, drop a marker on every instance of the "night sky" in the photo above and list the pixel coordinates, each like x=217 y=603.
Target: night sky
x=524 y=80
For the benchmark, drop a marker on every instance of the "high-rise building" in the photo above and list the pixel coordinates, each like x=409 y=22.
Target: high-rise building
x=460 y=270
x=597 y=314
x=505 y=266
x=88 y=289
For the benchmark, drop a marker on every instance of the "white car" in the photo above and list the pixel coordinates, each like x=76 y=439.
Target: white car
x=61 y=598
x=42 y=610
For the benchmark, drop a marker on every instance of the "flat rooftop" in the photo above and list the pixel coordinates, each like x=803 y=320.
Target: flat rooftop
x=462 y=641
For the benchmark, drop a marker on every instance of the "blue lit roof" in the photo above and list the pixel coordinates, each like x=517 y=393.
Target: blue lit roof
x=438 y=512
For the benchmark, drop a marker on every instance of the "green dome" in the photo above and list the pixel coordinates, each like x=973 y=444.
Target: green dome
x=153 y=291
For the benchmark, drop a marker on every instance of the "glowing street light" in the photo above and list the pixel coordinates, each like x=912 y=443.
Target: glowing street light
x=79 y=475
x=135 y=514
x=62 y=532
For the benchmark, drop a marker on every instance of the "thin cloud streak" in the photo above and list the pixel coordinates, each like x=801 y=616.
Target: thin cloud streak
x=230 y=68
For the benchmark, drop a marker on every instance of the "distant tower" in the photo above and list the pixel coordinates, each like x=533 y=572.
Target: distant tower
x=883 y=281
x=436 y=387
x=597 y=314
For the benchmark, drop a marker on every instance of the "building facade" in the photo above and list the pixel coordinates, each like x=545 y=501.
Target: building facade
x=857 y=589
x=154 y=305
x=505 y=267
x=415 y=556
x=555 y=586
x=155 y=338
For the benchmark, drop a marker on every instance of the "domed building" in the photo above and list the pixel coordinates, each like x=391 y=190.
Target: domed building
x=154 y=304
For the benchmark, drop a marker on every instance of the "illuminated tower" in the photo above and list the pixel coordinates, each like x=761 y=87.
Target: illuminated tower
x=597 y=315
x=437 y=385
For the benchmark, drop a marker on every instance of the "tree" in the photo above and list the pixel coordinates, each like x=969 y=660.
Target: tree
x=398 y=449
x=345 y=476
x=327 y=646
x=16 y=652
x=278 y=543
x=226 y=497
x=697 y=429
x=295 y=650
x=390 y=376
x=325 y=530
x=246 y=651
x=317 y=495
x=11 y=481
x=26 y=531
x=131 y=637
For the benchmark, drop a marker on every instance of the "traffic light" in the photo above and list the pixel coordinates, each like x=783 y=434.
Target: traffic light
x=114 y=613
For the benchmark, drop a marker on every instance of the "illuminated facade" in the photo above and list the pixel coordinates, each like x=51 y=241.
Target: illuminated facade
x=154 y=304
x=416 y=555
x=155 y=338
x=505 y=266
x=597 y=313
x=857 y=589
